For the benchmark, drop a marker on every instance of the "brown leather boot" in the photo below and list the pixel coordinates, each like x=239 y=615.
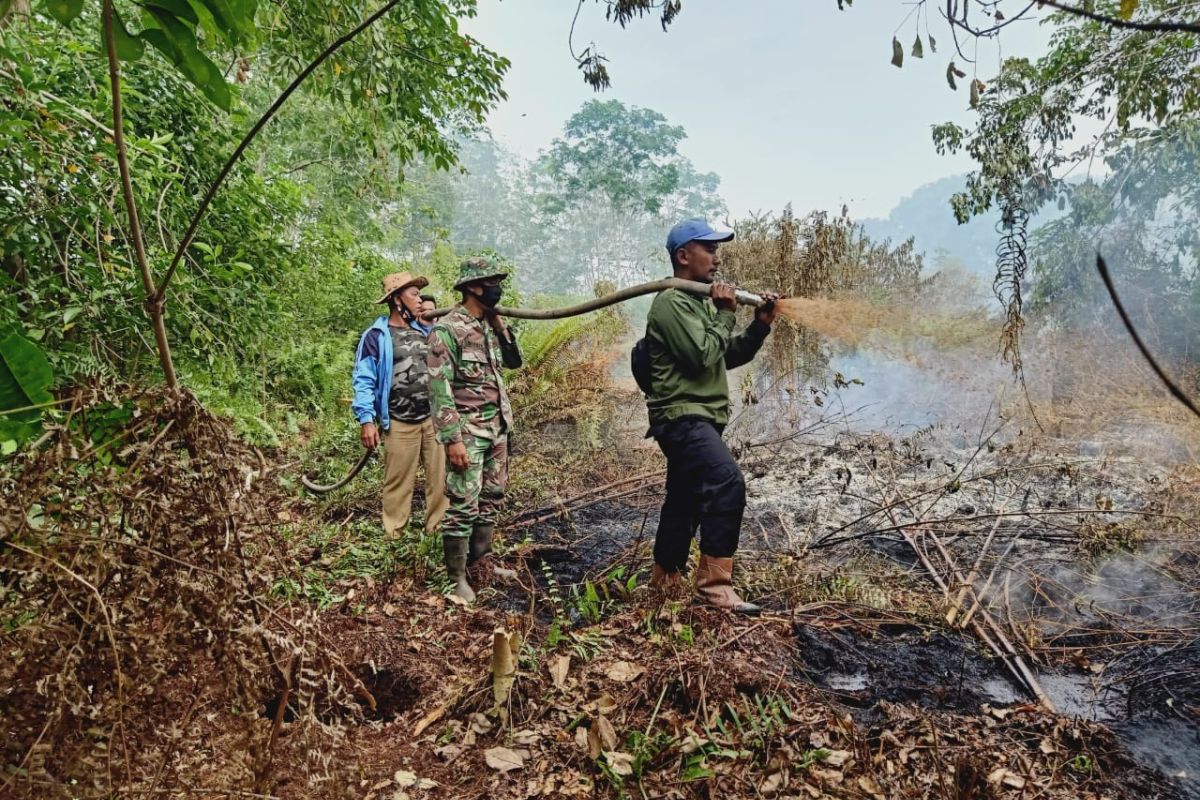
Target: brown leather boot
x=664 y=580
x=714 y=583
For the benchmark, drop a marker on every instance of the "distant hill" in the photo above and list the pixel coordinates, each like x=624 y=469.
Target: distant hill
x=926 y=216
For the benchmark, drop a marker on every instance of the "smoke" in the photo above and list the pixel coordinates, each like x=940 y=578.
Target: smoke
x=929 y=359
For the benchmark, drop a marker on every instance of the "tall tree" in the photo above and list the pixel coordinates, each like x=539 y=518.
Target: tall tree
x=608 y=189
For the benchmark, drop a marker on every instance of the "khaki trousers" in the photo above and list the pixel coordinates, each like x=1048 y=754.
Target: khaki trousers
x=404 y=444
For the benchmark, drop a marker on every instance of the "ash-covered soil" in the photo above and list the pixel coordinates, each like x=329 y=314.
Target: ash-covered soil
x=1089 y=568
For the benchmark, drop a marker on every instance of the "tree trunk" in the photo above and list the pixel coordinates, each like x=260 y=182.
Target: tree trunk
x=154 y=303
x=19 y=8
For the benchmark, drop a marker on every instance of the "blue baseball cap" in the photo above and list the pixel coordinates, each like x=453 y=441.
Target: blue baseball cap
x=694 y=230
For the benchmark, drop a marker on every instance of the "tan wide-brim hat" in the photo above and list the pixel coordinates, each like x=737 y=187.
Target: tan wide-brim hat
x=400 y=280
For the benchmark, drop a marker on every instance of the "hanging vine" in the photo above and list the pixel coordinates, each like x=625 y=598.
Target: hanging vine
x=1012 y=260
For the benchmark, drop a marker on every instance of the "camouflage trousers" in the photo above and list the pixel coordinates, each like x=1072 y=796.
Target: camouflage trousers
x=476 y=493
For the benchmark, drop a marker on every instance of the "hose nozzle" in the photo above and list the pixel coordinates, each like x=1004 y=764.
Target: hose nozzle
x=747 y=298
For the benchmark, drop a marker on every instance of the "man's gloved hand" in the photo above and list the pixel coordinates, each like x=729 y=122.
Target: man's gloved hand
x=370 y=435
x=723 y=297
x=765 y=312
x=457 y=453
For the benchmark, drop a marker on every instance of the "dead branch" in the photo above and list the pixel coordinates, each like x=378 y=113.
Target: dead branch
x=999 y=644
x=1175 y=391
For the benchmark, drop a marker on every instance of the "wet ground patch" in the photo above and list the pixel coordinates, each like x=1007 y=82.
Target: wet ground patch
x=1145 y=702
x=901 y=664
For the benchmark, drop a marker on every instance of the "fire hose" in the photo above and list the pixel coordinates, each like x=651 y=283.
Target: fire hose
x=693 y=287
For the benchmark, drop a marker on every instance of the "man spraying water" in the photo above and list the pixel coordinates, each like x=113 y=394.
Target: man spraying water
x=690 y=344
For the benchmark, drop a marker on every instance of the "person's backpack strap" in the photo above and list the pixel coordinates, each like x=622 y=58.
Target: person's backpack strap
x=639 y=365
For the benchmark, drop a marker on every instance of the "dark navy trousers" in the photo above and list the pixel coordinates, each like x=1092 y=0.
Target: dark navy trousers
x=705 y=491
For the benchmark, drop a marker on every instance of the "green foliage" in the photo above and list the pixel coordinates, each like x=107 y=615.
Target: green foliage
x=643 y=749
x=340 y=555
x=746 y=728
x=594 y=208
x=754 y=724
x=561 y=623
x=1140 y=88
x=413 y=80
x=25 y=378
x=564 y=367
x=265 y=310
x=629 y=155
x=594 y=600
x=175 y=29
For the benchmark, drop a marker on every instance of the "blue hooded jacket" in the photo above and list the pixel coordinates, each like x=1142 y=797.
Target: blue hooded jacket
x=372 y=376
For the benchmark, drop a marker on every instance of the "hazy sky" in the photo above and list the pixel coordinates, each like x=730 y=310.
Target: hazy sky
x=787 y=100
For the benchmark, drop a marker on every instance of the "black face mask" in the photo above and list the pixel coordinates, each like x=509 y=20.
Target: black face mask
x=405 y=314
x=491 y=296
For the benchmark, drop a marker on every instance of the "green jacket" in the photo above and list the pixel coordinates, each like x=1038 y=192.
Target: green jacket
x=691 y=344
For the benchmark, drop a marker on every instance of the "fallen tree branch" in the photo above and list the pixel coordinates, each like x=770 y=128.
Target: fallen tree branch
x=902 y=526
x=999 y=643
x=563 y=512
x=561 y=504
x=969 y=582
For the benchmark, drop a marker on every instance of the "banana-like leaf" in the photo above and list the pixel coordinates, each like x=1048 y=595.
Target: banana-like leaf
x=25 y=378
x=129 y=47
x=180 y=9
x=234 y=18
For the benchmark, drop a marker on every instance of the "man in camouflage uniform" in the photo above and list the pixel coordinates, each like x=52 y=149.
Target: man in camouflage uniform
x=471 y=414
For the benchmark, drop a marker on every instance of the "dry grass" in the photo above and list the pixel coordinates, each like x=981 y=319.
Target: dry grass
x=140 y=547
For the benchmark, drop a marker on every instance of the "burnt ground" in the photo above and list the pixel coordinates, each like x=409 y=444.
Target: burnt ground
x=865 y=653
x=851 y=685
x=874 y=708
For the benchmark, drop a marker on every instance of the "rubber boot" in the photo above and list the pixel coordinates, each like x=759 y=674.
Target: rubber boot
x=714 y=583
x=664 y=580
x=455 y=549
x=481 y=548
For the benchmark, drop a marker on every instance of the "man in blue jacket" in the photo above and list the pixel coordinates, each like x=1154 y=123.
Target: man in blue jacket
x=391 y=403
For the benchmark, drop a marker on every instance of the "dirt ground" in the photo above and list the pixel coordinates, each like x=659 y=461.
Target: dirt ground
x=851 y=684
x=945 y=617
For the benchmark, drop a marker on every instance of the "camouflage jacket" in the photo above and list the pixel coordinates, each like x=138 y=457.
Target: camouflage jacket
x=466 y=389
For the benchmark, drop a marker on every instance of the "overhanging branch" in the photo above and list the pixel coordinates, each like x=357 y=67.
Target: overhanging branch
x=1117 y=22
x=198 y=217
